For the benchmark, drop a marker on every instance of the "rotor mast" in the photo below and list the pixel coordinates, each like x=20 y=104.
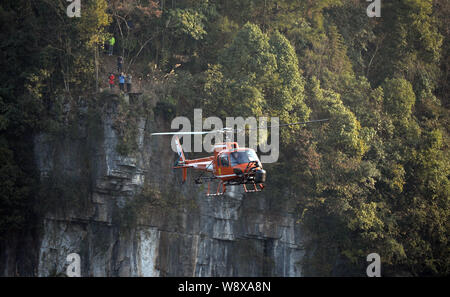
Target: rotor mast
x=228 y=134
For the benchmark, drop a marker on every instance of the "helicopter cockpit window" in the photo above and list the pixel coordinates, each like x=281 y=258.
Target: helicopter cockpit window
x=243 y=157
x=224 y=161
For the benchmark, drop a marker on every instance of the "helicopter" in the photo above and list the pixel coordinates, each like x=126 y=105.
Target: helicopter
x=230 y=164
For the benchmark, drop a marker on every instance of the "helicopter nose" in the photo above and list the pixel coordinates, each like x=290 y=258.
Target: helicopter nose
x=260 y=176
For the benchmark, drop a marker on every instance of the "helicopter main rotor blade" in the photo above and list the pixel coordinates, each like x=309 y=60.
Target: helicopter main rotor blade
x=299 y=123
x=186 y=133
x=229 y=130
x=288 y=124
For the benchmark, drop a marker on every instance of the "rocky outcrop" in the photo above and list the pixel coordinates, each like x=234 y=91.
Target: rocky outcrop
x=188 y=235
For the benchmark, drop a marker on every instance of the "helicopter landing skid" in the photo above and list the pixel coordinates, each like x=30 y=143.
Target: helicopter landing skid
x=255 y=188
x=221 y=189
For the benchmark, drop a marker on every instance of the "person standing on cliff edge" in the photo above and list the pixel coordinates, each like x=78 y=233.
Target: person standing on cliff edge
x=122 y=82
x=111 y=81
x=112 y=41
x=128 y=81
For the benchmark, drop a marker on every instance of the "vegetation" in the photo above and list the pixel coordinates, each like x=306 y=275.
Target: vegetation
x=152 y=201
x=374 y=178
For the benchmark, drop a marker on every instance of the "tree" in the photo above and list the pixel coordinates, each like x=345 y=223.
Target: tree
x=135 y=23
x=399 y=98
x=257 y=75
x=410 y=41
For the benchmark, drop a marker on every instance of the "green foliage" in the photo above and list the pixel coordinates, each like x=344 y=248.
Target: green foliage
x=153 y=199
x=399 y=98
x=249 y=53
x=125 y=123
x=189 y=22
x=410 y=41
x=344 y=133
x=91 y=25
x=166 y=108
x=257 y=75
x=287 y=99
x=126 y=119
x=14 y=193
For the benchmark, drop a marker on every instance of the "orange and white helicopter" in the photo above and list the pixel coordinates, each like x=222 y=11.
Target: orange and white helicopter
x=230 y=164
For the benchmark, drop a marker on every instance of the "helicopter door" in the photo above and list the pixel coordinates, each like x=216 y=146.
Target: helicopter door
x=224 y=162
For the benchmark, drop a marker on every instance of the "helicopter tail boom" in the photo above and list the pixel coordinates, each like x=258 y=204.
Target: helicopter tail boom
x=180 y=152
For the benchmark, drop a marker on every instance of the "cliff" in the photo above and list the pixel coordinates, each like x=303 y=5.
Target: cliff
x=130 y=216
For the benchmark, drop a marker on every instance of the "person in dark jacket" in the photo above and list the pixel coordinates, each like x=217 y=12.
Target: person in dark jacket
x=119 y=64
x=128 y=81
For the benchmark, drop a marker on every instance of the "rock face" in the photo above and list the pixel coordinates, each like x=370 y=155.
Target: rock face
x=189 y=235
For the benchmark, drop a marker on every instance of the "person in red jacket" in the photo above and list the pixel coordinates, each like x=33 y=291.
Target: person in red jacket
x=111 y=81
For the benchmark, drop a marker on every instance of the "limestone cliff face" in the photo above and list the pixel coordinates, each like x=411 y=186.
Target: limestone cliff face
x=189 y=235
